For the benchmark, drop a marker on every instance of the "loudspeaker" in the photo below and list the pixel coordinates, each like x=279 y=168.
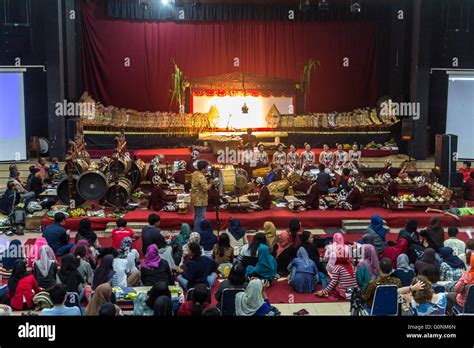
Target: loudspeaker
x=407 y=129
x=446 y=147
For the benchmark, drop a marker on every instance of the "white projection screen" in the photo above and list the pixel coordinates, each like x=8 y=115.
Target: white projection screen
x=230 y=109
x=12 y=116
x=460 y=114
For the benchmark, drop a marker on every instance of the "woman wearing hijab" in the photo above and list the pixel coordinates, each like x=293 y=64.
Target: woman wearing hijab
x=45 y=269
x=208 y=238
x=69 y=276
x=331 y=251
x=166 y=252
x=434 y=234
x=236 y=234
x=342 y=277
x=85 y=231
x=253 y=301
x=104 y=273
x=377 y=234
x=180 y=241
x=34 y=254
x=452 y=267
x=194 y=237
x=404 y=271
x=102 y=295
x=21 y=287
x=410 y=229
x=303 y=273
x=428 y=261
x=270 y=233
x=392 y=252
x=248 y=254
x=90 y=258
x=284 y=252
x=266 y=266
x=295 y=230
x=154 y=268
x=368 y=268
x=13 y=253
x=458 y=297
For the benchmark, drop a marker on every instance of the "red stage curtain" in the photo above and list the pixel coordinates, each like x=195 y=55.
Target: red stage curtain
x=273 y=49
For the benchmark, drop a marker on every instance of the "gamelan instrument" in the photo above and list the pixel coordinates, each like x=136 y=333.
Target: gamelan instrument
x=238 y=204
x=277 y=188
x=63 y=191
x=124 y=191
x=79 y=166
x=92 y=185
x=263 y=172
x=293 y=202
x=227 y=179
x=137 y=173
x=124 y=163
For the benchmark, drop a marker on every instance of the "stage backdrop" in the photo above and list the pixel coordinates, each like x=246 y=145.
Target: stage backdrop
x=129 y=63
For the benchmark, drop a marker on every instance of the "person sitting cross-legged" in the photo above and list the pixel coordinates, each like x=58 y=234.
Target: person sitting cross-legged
x=57 y=293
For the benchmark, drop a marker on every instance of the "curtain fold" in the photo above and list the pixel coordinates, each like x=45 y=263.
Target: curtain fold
x=129 y=63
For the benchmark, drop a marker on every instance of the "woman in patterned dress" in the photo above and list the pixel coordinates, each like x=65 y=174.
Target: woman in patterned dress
x=326 y=157
x=307 y=158
x=292 y=159
x=354 y=156
x=340 y=158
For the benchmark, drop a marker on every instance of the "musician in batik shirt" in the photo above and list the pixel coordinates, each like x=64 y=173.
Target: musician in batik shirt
x=292 y=159
x=326 y=157
x=307 y=158
x=351 y=201
x=340 y=158
x=354 y=156
x=261 y=157
x=279 y=157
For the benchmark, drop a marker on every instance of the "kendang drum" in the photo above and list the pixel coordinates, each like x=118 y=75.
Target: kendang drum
x=278 y=188
x=241 y=178
x=263 y=172
x=294 y=178
x=63 y=191
x=227 y=179
x=124 y=164
x=92 y=185
x=124 y=190
x=137 y=173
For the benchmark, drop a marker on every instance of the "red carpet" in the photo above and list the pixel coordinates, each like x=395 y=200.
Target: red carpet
x=280 y=217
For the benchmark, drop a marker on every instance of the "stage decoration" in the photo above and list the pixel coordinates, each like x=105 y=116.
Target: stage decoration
x=306 y=77
x=178 y=85
x=273 y=117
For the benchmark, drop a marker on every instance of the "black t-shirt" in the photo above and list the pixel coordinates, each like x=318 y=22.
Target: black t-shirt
x=36 y=185
x=150 y=235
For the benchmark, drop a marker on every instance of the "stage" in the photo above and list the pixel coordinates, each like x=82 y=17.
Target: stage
x=310 y=219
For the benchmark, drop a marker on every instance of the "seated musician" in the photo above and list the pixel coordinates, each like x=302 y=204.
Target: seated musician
x=388 y=168
x=466 y=170
x=304 y=184
x=312 y=196
x=264 y=197
x=261 y=157
x=180 y=175
x=392 y=187
x=422 y=190
x=307 y=158
x=155 y=169
x=353 y=200
x=158 y=198
x=323 y=179
x=279 y=157
x=249 y=138
x=343 y=184
x=195 y=155
x=469 y=188
x=272 y=175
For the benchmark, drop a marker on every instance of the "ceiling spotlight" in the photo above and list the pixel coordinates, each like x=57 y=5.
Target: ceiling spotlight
x=323 y=5
x=355 y=7
x=164 y=2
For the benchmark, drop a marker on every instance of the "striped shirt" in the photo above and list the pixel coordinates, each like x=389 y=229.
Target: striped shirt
x=340 y=278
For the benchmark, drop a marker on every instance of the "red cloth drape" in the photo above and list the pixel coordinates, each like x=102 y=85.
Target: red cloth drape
x=270 y=48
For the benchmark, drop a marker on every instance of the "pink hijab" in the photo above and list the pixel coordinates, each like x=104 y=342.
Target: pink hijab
x=335 y=250
x=34 y=254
